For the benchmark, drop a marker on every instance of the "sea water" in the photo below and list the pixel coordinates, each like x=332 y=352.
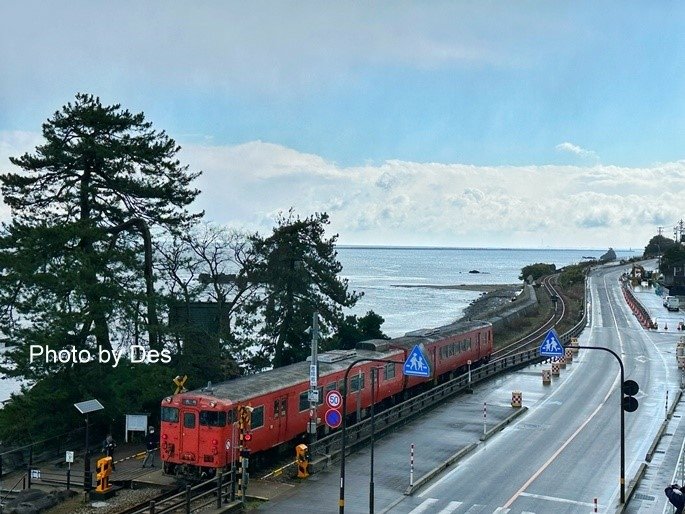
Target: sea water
x=7 y=385
x=382 y=274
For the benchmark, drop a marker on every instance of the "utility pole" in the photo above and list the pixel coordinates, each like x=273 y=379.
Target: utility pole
x=659 y=231
x=313 y=379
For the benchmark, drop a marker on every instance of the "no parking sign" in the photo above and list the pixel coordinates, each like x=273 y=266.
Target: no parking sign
x=333 y=417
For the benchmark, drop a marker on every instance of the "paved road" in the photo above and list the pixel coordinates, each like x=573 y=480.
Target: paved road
x=557 y=458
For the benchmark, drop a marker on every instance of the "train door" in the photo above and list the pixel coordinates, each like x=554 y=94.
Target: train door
x=281 y=417
x=479 y=352
x=190 y=439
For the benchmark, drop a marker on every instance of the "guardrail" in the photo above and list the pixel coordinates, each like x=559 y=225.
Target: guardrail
x=329 y=447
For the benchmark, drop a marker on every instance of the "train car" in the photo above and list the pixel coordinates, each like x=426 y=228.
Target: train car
x=198 y=428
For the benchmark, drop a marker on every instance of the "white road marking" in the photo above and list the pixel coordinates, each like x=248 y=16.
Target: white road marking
x=451 y=507
x=424 y=506
x=559 y=500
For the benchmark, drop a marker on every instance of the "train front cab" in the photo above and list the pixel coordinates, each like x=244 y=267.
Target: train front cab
x=195 y=435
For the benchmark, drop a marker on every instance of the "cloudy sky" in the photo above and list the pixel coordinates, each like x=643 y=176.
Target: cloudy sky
x=455 y=123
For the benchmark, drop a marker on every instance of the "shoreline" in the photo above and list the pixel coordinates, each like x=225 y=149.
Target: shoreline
x=483 y=288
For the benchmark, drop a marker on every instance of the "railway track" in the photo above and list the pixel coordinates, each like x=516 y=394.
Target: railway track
x=533 y=338
x=184 y=499
x=181 y=501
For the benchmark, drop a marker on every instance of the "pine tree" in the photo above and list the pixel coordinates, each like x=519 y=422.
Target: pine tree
x=76 y=257
x=297 y=271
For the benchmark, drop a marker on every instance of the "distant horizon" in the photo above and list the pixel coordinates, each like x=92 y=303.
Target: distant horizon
x=418 y=247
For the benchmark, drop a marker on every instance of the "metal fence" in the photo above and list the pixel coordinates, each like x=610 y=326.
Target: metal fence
x=357 y=434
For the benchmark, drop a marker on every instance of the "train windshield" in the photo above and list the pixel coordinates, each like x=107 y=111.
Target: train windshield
x=170 y=414
x=212 y=418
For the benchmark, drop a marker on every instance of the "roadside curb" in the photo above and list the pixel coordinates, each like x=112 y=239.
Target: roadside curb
x=635 y=481
x=660 y=433
x=632 y=485
x=500 y=426
x=462 y=453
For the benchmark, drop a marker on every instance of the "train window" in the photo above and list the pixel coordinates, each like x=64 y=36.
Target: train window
x=276 y=410
x=232 y=418
x=284 y=407
x=258 y=417
x=357 y=382
x=209 y=418
x=189 y=419
x=389 y=371
x=330 y=387
x=170 y=414
x=304 y=401
x=341 y=385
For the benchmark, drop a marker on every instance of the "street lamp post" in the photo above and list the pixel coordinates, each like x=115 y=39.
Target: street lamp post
x=86 y=408
x=341 y=500
x=374 y=374
x=622 y=479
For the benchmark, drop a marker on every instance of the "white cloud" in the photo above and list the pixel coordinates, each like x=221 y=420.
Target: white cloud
x=577 y=150
x=400 y=202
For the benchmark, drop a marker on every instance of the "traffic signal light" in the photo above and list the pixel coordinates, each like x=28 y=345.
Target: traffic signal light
x=247 y=437
x=630 y=389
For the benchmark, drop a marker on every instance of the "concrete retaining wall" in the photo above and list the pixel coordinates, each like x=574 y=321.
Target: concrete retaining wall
x=524 y=305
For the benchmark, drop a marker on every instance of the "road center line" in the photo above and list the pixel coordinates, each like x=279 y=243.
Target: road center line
x=561 y=448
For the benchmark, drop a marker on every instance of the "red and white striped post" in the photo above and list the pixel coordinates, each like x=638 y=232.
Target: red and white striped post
x=666 y=414
x=411 y=466
x=596 y=505
x=485 y=416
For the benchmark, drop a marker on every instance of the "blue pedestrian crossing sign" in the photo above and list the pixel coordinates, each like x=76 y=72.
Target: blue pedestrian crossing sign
x=551 y=346
x=416 y=364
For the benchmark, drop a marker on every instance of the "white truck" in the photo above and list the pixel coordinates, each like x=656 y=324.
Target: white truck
x=672 y=303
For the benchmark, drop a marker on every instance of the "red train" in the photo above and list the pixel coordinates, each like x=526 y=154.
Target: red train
x=198 y=428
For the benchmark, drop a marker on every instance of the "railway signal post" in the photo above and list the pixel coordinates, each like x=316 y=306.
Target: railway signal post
x=244 y=425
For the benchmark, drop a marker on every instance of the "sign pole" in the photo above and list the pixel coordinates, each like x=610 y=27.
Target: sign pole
x=341 y=499
x=313 y=379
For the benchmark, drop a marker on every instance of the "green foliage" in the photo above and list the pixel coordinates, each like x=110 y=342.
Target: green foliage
x=297 y=272
x=83 y=207
x=657 y=246
x=47 y=409
x=672 y=257
x=537 y=271
x=353 y=329
x=574 y=274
